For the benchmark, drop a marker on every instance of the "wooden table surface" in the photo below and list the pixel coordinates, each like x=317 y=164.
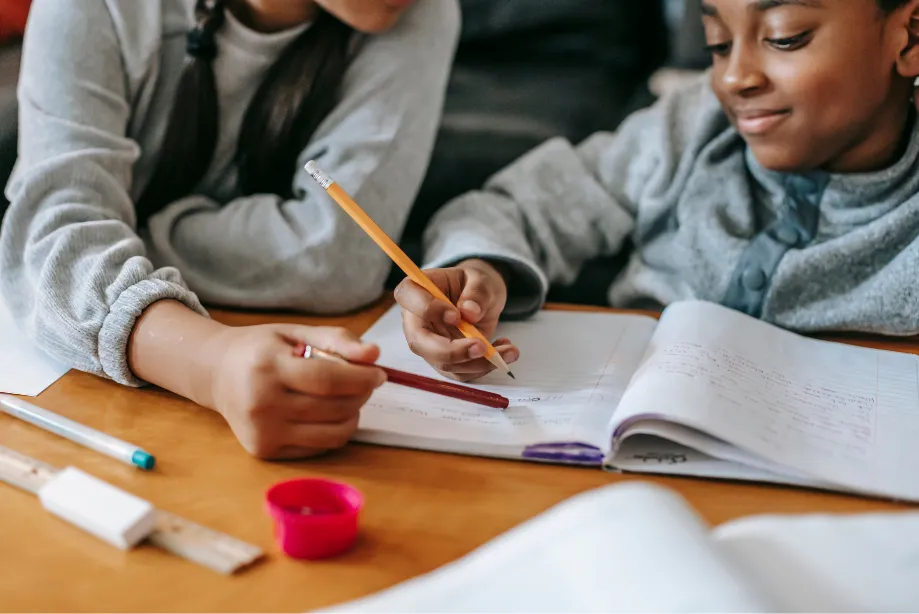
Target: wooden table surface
x=422 y=509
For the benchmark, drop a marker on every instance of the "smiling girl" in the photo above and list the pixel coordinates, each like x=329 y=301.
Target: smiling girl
x=784 y=185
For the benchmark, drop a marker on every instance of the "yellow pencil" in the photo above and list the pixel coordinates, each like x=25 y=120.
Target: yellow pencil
x=398 y=256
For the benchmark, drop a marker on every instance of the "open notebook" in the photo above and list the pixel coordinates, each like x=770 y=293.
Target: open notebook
x=640 y=548
x=705 y=391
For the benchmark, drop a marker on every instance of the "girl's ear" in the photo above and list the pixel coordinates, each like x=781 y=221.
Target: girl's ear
x=908 y=24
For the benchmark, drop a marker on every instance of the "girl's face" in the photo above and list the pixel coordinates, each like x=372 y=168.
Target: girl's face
x=813 y=84
x=368 y=16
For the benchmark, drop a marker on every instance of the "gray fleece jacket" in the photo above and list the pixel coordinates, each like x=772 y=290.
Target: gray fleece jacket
x=808 y=252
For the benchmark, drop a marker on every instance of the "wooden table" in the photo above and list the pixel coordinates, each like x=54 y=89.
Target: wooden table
x=423 y=509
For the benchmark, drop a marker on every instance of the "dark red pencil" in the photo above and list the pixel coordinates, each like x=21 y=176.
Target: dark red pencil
x=419 y=382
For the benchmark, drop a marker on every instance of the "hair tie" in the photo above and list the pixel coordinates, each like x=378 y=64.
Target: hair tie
x=201 y=41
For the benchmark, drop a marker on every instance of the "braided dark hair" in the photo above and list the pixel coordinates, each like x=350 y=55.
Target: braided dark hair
x=297 y=93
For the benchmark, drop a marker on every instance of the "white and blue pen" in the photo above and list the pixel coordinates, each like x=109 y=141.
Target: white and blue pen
x=76 y=432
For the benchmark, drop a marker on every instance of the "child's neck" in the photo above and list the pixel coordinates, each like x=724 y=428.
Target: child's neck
x=882 y=143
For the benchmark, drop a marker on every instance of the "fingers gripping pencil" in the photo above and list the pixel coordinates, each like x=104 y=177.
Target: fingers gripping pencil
x=399 y=257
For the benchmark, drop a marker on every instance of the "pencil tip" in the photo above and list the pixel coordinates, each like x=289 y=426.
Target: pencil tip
x=511 y=374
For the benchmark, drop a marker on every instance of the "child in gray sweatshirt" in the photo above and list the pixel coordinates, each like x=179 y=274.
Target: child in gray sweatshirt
x=784 y=184
x=160 y=163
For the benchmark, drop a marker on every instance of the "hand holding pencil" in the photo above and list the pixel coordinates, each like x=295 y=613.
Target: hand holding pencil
x=476 y=347
x=479 y=293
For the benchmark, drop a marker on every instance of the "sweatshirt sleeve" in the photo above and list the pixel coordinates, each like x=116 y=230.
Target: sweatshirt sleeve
x=305 y=253
x=73 y=272
x=562 y=204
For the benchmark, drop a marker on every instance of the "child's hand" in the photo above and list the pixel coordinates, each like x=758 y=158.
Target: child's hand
x=281 y=405
x=479 y=291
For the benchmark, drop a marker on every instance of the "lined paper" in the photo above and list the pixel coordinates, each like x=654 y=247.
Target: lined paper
x=572 y=372
x=841 y=414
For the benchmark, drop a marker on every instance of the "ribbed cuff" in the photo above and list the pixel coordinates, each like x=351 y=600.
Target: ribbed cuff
x=118 y=324
x=527 y=286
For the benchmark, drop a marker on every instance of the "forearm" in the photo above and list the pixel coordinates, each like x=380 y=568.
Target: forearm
x=263 y=252
x=176 y=348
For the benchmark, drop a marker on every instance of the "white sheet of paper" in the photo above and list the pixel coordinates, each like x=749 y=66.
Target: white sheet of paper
x=842 y=414
x=639 y=547
x=632 y=547
x=24 y=369
x=826 y=563
x=571 y=374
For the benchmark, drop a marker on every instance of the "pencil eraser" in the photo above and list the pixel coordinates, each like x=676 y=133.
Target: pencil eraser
x=99 y=508
x=317 y=173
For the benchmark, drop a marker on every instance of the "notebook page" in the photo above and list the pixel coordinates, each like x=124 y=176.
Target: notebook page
x=632 y=547
x=841 y=414
x=570 y=377
x=824 y=563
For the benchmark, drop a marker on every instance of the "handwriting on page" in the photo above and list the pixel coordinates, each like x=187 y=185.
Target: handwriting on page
x=572 y=371
x=661 y=458
x=524 y=410
x=832 y=417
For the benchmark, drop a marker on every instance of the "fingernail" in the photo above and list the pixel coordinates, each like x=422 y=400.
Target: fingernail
x=511 y=356
x=451 y=317
x=471 y=307
x=476 y=351
x=381 y=379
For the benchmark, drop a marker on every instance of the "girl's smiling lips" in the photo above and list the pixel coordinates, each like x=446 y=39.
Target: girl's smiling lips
x=757 y=122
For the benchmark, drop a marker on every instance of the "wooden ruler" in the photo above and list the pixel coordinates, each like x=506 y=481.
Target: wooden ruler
x=212 y=549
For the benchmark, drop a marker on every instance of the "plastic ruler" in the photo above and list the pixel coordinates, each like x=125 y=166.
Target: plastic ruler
x=212 y=549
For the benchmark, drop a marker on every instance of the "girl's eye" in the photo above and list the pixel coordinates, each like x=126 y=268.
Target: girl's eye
x=790 y=43
x=719 y=49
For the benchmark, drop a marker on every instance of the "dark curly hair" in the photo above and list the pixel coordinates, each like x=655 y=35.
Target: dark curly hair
x=889 y=6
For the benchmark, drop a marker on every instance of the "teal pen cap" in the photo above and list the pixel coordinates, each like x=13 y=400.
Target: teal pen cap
x=143 y=460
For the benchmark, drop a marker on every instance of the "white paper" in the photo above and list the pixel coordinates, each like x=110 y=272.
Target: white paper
x=571 y=374
x=642 y=453
x=24 y=369
x=824 y=563
x=837 y=413
x=638 y=547
x=632 y=547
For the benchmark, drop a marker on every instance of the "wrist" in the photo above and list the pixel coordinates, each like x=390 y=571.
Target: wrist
x=204 y=376
x=177 y=349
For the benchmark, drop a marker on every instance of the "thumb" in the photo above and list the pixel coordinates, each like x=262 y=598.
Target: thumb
x=338 y=340
x=476 y=298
